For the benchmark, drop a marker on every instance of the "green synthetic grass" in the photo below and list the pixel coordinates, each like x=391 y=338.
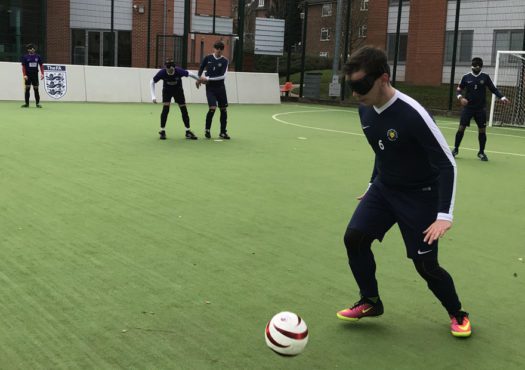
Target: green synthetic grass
x=120 y=251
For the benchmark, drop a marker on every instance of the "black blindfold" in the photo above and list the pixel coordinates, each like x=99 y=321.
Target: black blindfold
x=363 y=85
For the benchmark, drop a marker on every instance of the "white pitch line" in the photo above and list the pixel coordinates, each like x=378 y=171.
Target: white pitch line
x=438 y=121
x=358 y=134
x=309 y=127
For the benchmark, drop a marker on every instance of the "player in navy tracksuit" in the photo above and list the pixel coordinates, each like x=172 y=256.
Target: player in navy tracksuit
x=172 y=89
x=216 y=66
x=30 y=64
x=413 y=184
x=475 y=106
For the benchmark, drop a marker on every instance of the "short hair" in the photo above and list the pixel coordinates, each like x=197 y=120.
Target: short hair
x=30 y=46
x=372 y=60
x=219 y=45
x=477 y=60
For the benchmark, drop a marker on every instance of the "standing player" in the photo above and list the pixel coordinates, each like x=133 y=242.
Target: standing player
x=30 y=63
x=413 y=185
x=475 y=105
x=216 y=68
x=172 y=88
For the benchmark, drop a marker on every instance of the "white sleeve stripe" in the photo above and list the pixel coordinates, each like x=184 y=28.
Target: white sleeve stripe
x=440 y=139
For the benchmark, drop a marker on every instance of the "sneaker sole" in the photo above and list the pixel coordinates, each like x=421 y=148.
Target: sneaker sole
x=344 y=318
x=352 y=319
x=461 y=334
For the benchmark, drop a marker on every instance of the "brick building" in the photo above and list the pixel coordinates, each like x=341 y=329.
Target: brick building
x=80 y=31
x=427 y=33
x=321 y=27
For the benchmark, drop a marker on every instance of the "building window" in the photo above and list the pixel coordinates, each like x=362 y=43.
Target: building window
x=21 y=23
x=261 y=3
x=361 y=33
x=325 y=34
x=506 y=40
x=323 y=54
x=364 y=5
x=396 y=2
x=326 y=10
x=92 y=47
x=464 y=48
x=391 y=47
x=124 y=48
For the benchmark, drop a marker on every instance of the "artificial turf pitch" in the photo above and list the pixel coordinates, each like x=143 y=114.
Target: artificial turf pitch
x=121 y=251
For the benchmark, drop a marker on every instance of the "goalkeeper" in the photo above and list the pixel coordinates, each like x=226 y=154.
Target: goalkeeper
x=474 y=104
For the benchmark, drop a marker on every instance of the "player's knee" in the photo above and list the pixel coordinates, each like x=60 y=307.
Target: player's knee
x=357 y=242
x=429 y=269
x=462 y=128
x=165 y=109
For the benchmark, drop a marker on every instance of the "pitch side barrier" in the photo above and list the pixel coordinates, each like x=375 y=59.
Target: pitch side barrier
x=79 y=83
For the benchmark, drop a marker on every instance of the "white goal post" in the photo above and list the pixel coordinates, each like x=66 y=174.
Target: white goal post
x=509 y=78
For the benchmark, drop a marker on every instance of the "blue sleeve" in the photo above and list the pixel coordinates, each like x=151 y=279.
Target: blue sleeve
x=461 y=85
x=224 y=67
x=181 y=72
x=158 y=76
x=203 y=64
x=493 y=88
x=40 y=60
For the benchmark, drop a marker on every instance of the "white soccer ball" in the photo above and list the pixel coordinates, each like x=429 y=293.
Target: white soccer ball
x=286 y=333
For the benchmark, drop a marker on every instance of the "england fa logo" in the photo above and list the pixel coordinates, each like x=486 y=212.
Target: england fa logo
x=55 y=80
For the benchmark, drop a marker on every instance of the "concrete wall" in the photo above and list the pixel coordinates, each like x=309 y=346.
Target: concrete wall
x=112 y=84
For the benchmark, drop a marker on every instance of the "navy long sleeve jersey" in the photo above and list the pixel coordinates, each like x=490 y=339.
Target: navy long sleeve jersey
x=411 y=152
x=171 y=81
x=216 y=69
x=476 y=89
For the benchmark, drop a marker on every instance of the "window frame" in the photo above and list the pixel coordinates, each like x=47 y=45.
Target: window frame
x=362 y=31
x=328 y=8
x=364 y=6
x=403 y=47
x=396 y=2
x=327 y=30
x=323 y=54
x=261 y=4
x=512 y=33
x=449 y=40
